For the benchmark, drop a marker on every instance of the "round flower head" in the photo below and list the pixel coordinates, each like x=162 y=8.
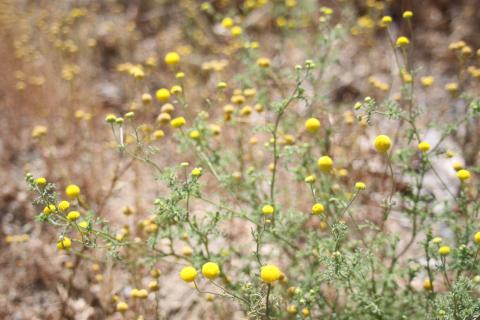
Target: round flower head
x=310 y=179
x=270 y=273
x=64 y=244
x=312 y=125
x=360 y=186
x=172 y=58
x=407 y=15
x=268 y=209
x=195 y=134
x=197 y=172
x=402 y=42
x=318 y=208
x=63 y=205
x=463 y=175
x=476 y=237
x=162 y=95
x=72 y=191
x=210 y=270
x=73 y=215
x=41 y=181
x=188 y=274
x=444 y=251
x=325 y=164
x=227 y=22
x=49 y=209
x=178 y=122
x=263 y=62
x=382 y=143
x=122 y=307
x=424 y=146
x=427 y=284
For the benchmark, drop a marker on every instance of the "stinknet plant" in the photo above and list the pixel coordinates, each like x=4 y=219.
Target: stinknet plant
x=330 y=203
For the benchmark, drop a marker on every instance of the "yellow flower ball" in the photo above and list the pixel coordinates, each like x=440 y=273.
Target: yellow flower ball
x=463 y=175
x=310 y=179
x=188 y=274
x=427 y=284
x=73 y=215
x=146 y=98
x=41 y=181
x=49 y=209
x=63 y=205
x=424 y=146
x=172 y=58
x=64 y=244
x=176 y=89
x=437 y=240
x=122 y=307
x=270 y=273
x=153 y=286
x=178 y=122
x=407 y=15
x=195 y=134
x=162 y=95
x=318 y=208
x=476 y=237
x=72 y=191
x=360 y=186
x=268 y=209
x=402 y=42
x=292 y=309
x=236 y=31
x=227 y=22
x=382 y=143
x=197 y=172
x=444 y=250
x=325 y=164
x=312 y=125
x=210 y=270
x=263 y=62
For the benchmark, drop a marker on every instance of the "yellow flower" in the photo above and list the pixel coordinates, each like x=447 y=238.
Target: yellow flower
x=407 y=15
x=427 y=81
x=263 y=62
x=64 y=244
x=270 y=273
x=437 y=240
x=83 y=226
x=382 y=143
x=310 y=179
x=268 y=209
x=227 y=22
x=188 y=274
x=49 y=209
x=176 y=89
x=325 y=164
x=110 y=118
x=444 y=251
x=305 y=312
x=158 y=134
x=172 y=58
x=427 y=284
x=292 y=309
x=178 y=122
x=195 y=134
x=476 y=237
x=73 y=215
x=197 y=172
x=402 y=42
x=153 y=285
x=41 y=181
x=72 y=191
x=424 y=146
x=386 y=20
x=236 y=31
x=162 y=95
x=318 y=208
x=312 y=125
x=146 y=98
x=360 y=186
x=63 y=205
x=463 y=175
x=122 y=307
x=210 y=270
